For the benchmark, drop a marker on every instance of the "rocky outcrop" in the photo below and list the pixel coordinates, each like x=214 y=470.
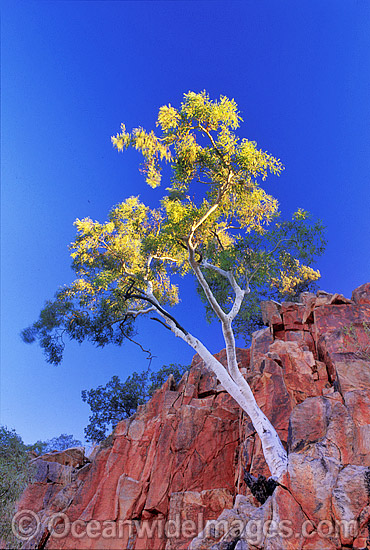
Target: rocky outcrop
x=322 y=348
x=176 y=457
x=173 y=474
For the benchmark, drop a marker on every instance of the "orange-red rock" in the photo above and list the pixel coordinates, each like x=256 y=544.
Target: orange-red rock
x=361 y=295
x=181 y=456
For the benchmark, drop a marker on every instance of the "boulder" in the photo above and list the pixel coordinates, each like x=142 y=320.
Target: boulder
x=361 y=294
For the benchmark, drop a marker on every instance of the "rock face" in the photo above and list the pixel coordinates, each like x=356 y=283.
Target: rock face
x=171 y=476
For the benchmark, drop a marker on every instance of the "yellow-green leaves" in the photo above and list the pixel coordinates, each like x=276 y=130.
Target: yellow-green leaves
x=121 y=141
x=135 y=244
x=215 y=193
x=256 y=163
x=151 y=147
x=168 y=118
x=198 y=140
x=215 y=217
x=186 y=160
x=215 y=201
x=300 y=214
x=251 y=211
x=292 y=274
x=199 y=109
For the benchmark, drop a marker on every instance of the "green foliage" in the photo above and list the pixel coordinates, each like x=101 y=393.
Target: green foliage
x=118 y=400
x=215 y=209
x=59 y=443
x=111 y=403
x=278 y=261
x=15 y=473
x=158 y=378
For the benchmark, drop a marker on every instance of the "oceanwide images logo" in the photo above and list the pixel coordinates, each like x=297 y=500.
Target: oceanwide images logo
x=27 y=525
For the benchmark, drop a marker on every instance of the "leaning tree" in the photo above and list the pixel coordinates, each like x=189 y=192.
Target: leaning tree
x=215 y=222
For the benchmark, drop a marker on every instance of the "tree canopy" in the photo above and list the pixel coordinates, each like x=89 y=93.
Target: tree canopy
x=60 y=443
x=118 y=400
x=215 y=221
x=15 y=473
x=215 y=216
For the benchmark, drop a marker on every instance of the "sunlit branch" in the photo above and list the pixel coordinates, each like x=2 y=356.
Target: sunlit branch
x=239 y=293
x=250 y=277
x=165 y=259
x=149 y=261
x=205 y=286
x=205 y=216
x=212 y=209
x=157 y=307
x=208 y=133
x=135 y=313
x=184 y=246
x=207 y=265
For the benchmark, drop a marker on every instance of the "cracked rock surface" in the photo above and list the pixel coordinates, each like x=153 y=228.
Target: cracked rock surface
x=180 y=459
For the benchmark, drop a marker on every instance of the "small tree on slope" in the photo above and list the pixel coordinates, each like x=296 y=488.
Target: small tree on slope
x=117 y=400
x=215 y=222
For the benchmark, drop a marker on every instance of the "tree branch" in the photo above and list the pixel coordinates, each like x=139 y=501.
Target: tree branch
x=214 y=207
x=278 y=244
x=220 y=192
x=260 y=263
x=150 y=356
x=205 y=286
x=161 y=322
x=165 y=258
x=135 y=313
x=239 y=389
x=208 y=133
x=239 y=293
x=159 y=308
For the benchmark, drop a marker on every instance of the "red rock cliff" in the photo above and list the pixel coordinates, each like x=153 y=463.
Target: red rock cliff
x=178 y=461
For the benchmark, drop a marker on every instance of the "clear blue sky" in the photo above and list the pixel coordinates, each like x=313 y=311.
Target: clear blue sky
x=73 y=71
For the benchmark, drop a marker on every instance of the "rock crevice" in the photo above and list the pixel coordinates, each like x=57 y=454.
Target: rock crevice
x=179 y=462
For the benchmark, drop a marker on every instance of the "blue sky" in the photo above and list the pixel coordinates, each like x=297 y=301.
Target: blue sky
x=73 y=71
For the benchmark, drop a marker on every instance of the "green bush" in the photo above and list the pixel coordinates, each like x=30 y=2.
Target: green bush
x=118 y=400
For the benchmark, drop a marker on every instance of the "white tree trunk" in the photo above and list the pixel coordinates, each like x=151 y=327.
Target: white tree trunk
x=274 y=452
x=233 y=381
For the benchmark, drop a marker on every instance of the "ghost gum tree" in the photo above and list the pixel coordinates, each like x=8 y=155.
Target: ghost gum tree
x=215 y=222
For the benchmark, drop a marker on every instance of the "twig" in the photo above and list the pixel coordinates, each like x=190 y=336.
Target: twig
x=159 y=321
x=150 y=356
